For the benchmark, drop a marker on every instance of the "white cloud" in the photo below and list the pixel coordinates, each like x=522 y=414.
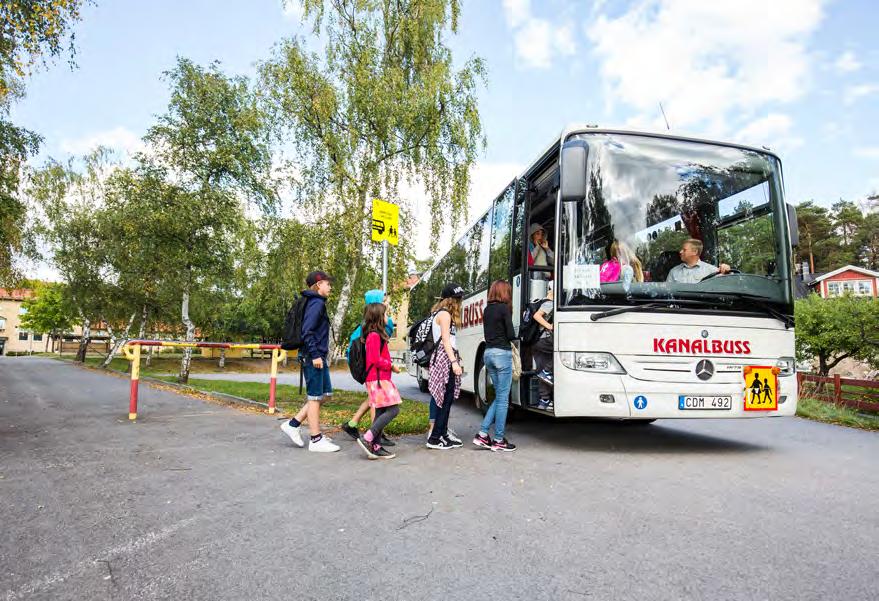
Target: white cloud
x=867 y=152
x=709 y=63
x=847 y=62
x=517 y=11
x=292 y=10
x=855 y=93
x=537 y=41
x=773 y=130
x=119 y=138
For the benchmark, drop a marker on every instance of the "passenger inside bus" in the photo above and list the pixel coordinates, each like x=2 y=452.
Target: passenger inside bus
x=692 y=269
x=621 y=265
x=539 y=252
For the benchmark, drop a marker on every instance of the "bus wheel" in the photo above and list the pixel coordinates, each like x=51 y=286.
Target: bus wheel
x=481 y=386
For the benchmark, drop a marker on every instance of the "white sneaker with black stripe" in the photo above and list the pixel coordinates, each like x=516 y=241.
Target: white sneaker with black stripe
x=452 y=436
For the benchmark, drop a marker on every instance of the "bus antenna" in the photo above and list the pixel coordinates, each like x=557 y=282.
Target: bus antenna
x=664 y=117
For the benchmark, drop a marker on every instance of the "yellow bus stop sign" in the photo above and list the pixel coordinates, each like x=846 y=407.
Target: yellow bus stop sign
x=385 y=221
x=761 y=388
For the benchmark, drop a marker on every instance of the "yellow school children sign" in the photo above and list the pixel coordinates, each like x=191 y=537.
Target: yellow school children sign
x=761 y=388
x=385 y=221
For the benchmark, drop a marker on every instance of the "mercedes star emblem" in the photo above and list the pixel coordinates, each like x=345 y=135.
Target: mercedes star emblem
x=704 y=369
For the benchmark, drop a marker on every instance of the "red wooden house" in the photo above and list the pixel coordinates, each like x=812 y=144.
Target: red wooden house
x=856 y=280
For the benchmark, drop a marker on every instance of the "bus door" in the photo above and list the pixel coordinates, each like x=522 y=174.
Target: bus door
x=536 y=202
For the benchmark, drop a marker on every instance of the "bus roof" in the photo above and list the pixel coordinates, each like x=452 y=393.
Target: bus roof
x=575 y=128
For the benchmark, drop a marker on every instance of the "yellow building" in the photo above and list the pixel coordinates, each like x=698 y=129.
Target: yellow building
x=14 y=338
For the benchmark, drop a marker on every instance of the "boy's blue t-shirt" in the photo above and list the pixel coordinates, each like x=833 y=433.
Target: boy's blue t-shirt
x=389 y=328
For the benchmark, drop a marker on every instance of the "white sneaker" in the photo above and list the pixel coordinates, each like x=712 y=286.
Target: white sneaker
x=293 y=433
x=450 y=434
x=322 y=446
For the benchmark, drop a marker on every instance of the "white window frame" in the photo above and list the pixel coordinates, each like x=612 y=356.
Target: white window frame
x=840 y=287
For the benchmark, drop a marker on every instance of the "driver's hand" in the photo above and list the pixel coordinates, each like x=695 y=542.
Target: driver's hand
x=318 y=363
x=723 y=268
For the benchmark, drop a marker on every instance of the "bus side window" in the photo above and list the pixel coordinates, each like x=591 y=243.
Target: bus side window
x=519 y=225
x=501 y=235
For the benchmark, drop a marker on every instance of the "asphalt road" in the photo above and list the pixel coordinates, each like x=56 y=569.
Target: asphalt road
x=202 y=501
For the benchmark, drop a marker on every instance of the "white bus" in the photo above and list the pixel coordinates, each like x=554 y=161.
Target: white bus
x=642 y=347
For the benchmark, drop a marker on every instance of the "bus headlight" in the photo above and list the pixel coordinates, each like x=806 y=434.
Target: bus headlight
x=595 y=362
x=787 y=365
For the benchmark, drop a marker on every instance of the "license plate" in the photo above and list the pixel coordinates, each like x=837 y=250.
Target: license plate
x=704 y=403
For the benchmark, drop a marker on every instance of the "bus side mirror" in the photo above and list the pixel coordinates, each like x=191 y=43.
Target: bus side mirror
x=572 y=179
x=793 y=225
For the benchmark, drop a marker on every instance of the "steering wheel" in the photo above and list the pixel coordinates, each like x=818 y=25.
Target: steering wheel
x=717 y=273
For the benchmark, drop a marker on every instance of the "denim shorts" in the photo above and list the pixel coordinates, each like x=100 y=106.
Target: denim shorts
x=317 y=381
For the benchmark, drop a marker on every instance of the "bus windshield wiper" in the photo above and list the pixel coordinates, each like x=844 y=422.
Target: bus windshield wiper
x=760 y=302
x=754 y=300
x=669 y=302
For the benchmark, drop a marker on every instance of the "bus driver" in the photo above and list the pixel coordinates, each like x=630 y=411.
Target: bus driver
x=693 y=269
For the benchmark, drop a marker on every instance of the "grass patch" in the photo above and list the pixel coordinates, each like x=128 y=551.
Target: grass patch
x=831 y=413
x=413 y=418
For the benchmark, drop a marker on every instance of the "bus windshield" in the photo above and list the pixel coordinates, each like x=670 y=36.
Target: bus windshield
x=674 y=219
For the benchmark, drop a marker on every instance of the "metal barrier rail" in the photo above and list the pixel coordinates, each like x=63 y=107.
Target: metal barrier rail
x=132 y=353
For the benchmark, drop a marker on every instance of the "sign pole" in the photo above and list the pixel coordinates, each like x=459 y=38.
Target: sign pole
x=385 y=266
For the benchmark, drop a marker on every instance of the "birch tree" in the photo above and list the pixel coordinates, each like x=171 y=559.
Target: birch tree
x=213 y=143
x=380 y=103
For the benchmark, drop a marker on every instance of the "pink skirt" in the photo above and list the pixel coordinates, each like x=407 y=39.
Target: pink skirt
x=383 y=393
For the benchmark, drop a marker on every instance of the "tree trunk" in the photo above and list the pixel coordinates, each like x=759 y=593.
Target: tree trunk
x=84 y=340
x=222 y=362
x=350 y=279
x=116 y=343
x=143 y=320
x=186 y=362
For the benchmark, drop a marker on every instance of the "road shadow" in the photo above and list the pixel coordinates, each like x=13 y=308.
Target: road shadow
x=616 y=436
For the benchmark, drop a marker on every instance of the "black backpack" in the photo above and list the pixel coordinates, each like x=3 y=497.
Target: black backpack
x=421 y=342
x=292 y=339
x=357 y=359
x=529 y=329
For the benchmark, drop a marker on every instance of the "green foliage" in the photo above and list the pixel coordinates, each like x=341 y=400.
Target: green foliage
x=31 y=31
x=834 y=329
x=16 y=146
x=49 y=310
x=214 y=135
x=381 y=104
x=831 y=413
x=819 y=240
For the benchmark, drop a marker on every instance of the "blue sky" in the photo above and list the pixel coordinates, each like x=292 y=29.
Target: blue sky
x=800 y=76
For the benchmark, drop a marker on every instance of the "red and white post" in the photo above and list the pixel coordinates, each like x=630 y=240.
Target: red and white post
x=134 y=357
x=273 y=381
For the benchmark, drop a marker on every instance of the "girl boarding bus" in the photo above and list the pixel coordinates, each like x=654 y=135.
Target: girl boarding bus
x=669 y=260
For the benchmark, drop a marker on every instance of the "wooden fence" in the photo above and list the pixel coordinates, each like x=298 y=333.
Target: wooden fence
x=862 y=395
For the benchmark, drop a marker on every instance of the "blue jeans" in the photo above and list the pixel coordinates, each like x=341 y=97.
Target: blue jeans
x=499 y=364
x=317 y=381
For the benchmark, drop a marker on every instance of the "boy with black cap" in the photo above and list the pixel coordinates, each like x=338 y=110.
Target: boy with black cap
x=316 y=368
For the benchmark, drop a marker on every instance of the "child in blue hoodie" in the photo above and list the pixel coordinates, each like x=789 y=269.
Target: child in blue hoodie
x=316 y=368
x=351 y=426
